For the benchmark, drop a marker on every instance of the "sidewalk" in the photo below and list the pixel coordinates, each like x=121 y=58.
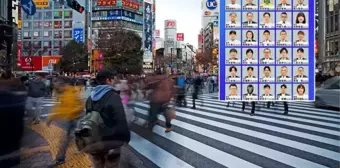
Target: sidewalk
x=41 y=144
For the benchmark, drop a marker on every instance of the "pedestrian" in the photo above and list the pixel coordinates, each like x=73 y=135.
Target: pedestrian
x=35 y=96
x=250 y=93
x=162 y=92
x=114 y=134
x=197 y=82
x=69 y=110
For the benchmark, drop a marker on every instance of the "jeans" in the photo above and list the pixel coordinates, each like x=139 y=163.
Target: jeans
x=70 y=125
x=34 y=105
x=155 y=109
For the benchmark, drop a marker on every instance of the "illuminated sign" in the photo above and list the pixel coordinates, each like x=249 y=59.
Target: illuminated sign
x=170 y=24
x=130 y=4
x=41 y=3
x=106 y=3
x=118 y=18
x=266 y=50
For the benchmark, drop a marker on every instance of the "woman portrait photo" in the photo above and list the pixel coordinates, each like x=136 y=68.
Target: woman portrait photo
x=250 y=36
x=300 y=90
x=300 y=18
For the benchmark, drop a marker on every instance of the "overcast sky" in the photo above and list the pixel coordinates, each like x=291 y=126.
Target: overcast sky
x=186 y=12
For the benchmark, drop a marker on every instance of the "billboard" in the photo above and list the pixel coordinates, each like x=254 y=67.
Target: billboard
x=78 y=35
x=30 y=63
x=97 y=60
x=47 y=61
x=266 y=50
x=157 y=33
x=170 y=24
x=148 y=33
x=41 y=3
x=106 y=2
x=180 y=36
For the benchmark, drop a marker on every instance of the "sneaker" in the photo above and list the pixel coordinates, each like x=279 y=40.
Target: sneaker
x=56 y=163
x=168 y=129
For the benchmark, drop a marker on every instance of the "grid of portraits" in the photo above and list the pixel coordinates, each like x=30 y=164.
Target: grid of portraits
x=266 y=50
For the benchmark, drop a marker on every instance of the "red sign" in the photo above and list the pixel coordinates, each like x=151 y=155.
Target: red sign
x=180 y=36
x=19 y=53
x=128 y=4
x=170 y=23
x=31 y=63
x=157 y=33
x=106 y=3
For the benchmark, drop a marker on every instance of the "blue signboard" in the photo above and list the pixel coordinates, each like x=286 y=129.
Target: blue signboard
x=78 y=35
x=148 y=32
x=211 y=4
x=119 y=12
x=266 y=50
x=28 y=6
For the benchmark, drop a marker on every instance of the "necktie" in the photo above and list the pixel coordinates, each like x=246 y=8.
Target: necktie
x=233 y=22
x=284 y=22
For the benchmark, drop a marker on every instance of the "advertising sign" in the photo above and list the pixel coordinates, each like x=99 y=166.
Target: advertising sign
x=49 y=61
x=106 y=2
x=148 y=32
x=41 y=3
x=31 y=63
x=78 y=35
x=119 y=12
x=170 y=24
x=157 y=33
x=129 y=4
x=266 y=50
x=180 y=36
x=28 y=6
x=211 y=4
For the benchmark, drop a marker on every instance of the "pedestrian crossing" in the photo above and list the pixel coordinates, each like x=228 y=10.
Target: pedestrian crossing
x=213 y=135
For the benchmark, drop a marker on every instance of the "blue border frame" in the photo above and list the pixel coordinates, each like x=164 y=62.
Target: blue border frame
x=311 y=53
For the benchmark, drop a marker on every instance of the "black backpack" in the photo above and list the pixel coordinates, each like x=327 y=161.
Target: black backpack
x=91 y=128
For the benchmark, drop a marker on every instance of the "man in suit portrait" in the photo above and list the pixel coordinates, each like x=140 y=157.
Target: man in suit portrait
x=284 y=72
x=250 y=20
x=233 y=20
x=283 y=91
x=300 y=73
x=283 y=3
x=300 y=53
x=249 y=4
x=267 y=56
x=233 y=72
x=300 y=4
x=284 y=20
x=250 y=91
x=301 y=36
x=267 y=72
x=266 y=90
x=283 y=37
x=233 y=90
x=233 y=54
x=250 y=75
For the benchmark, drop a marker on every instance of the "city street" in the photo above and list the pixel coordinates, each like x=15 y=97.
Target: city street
x=213 y=135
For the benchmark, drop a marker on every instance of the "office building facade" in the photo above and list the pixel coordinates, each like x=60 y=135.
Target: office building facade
x=49 y=29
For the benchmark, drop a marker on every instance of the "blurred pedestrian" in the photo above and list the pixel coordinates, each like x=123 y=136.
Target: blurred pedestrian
x=68 y=111
x=197 y=82
x=36 y=93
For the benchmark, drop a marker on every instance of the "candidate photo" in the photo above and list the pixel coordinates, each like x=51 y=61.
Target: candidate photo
x=283 y=20
x=233 y=4
x=300 y=19
x=249 y=19
x=283 y=73
x=267 y=19
x=233 y=19
x=249 y=56
x=267 y=56
x=233 y=39
x=283 y=5
x=267 y=4
x=249 y=4
x=300 y=4
x=284 y=92
x=266 y=38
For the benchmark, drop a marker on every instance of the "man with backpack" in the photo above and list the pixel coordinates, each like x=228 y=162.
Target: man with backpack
x=104 y=132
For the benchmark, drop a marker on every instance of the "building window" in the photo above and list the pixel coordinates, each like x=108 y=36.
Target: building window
x=68 y=33
x=67 y=24
x=57 y=24
x=47 y=52
x=37 y=15
x=47 y=44
x=47 y=33
x=67 y=14
x=37 y=24
x=57 y=44
x=48 y=24
x=56 y=52
x=27 y=35
x=37 y=44
x=26 y=45
x=58 y=15
x=36 y=34
x=337 y=22
x=48 y=15
x=26 y=25
x=58 y=34
x=58 y=5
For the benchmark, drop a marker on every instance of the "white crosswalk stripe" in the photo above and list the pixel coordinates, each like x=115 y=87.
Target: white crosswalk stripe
x=216 y=136
x=223 y=136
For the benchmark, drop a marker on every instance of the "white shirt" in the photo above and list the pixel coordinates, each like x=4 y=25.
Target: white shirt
x=234 y=6
x=287 y=23
x=301 y=6
x=268 y=25
x=234 y=42
x=233 y=24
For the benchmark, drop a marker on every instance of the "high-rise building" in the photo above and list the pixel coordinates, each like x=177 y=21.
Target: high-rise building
x=330 y=26
x=46 y=32
x=209 y=12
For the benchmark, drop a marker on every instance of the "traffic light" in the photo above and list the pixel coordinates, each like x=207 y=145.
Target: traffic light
x=76 y=6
